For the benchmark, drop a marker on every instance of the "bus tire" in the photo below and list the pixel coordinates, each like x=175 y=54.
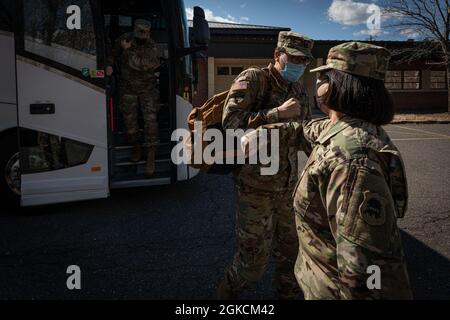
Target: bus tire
x=9 y=171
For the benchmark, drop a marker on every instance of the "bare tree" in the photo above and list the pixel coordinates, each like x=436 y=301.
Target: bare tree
x=431 y=20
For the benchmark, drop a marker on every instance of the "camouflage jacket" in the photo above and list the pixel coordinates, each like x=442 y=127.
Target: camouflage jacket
x=137 y=64
x=252 y=102
x=347 y=202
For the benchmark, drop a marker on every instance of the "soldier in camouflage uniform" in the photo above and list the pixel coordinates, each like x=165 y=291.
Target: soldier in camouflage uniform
x=350 y=194
x=265 y=219
x=50 y=146
x=138 y=57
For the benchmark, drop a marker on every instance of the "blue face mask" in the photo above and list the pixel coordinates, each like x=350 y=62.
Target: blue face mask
x=292 y=72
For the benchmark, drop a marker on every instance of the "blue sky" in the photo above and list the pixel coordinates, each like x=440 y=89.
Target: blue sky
x=319 y=19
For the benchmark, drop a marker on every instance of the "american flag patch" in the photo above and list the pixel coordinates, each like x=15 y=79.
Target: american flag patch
x=240 y=86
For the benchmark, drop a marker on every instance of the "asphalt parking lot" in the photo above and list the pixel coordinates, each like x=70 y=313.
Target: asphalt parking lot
x=173 y=242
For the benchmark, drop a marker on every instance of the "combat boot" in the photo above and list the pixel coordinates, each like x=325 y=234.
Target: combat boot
x=136 y=153
x=150 y=166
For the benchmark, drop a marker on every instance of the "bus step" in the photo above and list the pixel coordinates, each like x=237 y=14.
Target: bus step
x=120 y=138
x=140 y=163
x=123 y=153
x=126 y=147
x=162 y=124
x=163 y=118
x=134 y=181
x=162 y=130
x=129 y=171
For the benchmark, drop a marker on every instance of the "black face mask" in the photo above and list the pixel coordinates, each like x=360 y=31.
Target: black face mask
x=317 y=102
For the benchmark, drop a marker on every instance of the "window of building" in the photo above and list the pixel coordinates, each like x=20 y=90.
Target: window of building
x=47 y=35
x=411 y=80
x=393 y=80
x=223 y=71
x=438 y=80
x=406 y=79
x=235 y=71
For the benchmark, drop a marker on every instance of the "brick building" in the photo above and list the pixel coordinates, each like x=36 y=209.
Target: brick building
x=420 y=86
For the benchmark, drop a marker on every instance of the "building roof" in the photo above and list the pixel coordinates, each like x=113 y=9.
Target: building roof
x=251 y=41
x=227 y=25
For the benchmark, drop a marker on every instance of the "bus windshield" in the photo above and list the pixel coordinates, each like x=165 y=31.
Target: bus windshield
x=184 y=23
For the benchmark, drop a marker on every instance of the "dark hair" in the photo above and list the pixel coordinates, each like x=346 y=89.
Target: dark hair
x=359 y=97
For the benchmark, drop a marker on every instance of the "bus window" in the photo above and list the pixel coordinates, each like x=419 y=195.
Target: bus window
x=47 y=35
x=5 y=15
x=187 y=59
x=42 y=152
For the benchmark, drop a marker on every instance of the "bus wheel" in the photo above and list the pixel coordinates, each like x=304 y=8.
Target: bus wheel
x=10 y=178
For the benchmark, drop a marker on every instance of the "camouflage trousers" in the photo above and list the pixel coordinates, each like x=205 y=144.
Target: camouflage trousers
x=265 y=227
x=147 y=102
x=50 y=146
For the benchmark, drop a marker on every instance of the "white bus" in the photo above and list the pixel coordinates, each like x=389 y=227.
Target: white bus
x=61 y=134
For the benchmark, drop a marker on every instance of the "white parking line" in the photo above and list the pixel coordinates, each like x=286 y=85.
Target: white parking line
x=424 y=131
x=404 y=132
x=420 y=139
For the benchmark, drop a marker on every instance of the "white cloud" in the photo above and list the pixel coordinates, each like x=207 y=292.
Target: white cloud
x=190 y=13
x=210 y=16
x=243 y=5
x=410 y=33
x=348 y=12
x=368 y=32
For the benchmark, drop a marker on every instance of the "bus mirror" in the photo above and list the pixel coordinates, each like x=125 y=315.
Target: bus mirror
x=202 y=34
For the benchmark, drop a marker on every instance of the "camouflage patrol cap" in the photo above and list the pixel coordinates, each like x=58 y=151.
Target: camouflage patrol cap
x=358 y=58
x=296 y=44
x=142 y=29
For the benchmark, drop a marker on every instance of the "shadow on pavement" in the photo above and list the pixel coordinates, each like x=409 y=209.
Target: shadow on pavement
x=428 y=270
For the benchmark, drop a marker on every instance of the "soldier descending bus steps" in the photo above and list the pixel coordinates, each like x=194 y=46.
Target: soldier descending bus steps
x=137 y=55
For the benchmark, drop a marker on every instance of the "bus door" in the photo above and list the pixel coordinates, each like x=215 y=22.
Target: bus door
x=119 y=19
x=62 y=110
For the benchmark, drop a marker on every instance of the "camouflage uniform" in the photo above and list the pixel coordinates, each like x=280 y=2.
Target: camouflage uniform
x=349 y=197
x=50 y=146
x=265 y=219
x=138 y=83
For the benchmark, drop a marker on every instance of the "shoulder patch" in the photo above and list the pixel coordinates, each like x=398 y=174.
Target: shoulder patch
x=240 y=86
x=373 y=209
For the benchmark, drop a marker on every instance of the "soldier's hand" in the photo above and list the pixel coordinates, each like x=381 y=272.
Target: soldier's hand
x=250 y=144
x=125 y=44
x=109 y=71
x=290 y=109
x=245 y=145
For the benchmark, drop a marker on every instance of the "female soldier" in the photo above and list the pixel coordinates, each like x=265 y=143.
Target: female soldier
x=353 y=187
